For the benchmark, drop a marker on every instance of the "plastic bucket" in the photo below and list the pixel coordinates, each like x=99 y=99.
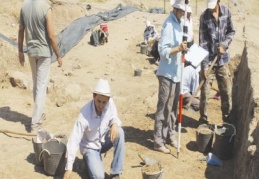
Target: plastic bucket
x=152 y=171
x=143 y=48
x=37 y=147
x=53 y=154
x=137 y=72
x=224 y=140
x=204 y=138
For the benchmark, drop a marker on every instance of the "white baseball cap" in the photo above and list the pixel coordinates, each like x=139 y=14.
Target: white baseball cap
x=211 y=4
x=103 y=88
x=189 y=9
x=180 y=4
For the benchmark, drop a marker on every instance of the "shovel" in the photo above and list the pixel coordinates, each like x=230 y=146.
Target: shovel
x=147 y=160
x=188 y=106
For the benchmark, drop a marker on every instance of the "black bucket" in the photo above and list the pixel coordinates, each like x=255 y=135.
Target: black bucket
x=224 y=140
x=137 y=72
x=53 y=154
x=37 y=147
x=204 y=138
x=152 y=171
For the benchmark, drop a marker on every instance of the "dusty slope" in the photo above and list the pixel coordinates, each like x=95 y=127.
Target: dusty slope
x=135 y=97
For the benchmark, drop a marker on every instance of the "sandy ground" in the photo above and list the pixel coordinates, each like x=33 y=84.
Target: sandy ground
x=135 y=97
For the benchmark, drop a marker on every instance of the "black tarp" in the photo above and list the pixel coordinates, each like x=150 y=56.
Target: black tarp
x=72 y=35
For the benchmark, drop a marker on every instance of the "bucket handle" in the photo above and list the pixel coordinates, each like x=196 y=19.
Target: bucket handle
x=40 y=156
x=227 y=124
x=204 y=129
x=54 y=139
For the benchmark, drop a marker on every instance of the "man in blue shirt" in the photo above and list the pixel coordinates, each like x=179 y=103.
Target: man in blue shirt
x=169 y=76
x=215 y=35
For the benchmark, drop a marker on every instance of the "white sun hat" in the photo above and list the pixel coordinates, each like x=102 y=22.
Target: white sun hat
x=211 y=4
x=180 y=4
x=148 y=23
x=102 y=87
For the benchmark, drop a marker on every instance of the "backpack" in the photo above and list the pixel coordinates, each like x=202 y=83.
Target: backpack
x=94 y=38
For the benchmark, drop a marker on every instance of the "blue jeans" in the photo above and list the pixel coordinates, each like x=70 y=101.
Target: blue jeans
x=93 y=157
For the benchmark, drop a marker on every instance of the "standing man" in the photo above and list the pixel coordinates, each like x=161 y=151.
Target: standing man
x=96 y=130
x=215 y=35
x=169 y=76
x=36 y=23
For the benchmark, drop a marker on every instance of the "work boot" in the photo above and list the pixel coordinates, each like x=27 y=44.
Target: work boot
x=35 y=127
x=162 y=149
x=203 y=121
x=115 y=176
x=217 y=96
x=174 y=144
x=42 y=118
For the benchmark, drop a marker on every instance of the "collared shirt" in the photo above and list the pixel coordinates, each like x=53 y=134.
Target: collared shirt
x=213 y=33
x=171 y=36
x=190 y=79
x=89 y=130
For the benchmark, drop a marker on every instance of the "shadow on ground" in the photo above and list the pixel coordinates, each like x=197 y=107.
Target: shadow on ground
x=13 y=116
x=141 y=137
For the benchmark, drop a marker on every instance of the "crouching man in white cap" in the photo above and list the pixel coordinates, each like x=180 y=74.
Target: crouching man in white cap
x=150 y=33
x=96 y=130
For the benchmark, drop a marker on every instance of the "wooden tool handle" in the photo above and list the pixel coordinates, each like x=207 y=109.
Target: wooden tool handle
x=201 y=83
x=17 y=133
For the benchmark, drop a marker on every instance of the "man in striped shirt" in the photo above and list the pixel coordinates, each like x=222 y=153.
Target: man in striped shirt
x=215 y=35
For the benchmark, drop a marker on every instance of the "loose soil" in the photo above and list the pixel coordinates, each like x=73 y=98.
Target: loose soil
x=135 y=96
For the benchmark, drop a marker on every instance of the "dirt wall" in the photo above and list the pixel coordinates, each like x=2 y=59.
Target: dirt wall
x=245 y=105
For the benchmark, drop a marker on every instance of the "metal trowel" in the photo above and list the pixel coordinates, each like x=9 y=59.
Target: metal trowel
x=147 y=160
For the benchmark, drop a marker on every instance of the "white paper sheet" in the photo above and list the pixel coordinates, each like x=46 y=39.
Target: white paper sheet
x=195 y=55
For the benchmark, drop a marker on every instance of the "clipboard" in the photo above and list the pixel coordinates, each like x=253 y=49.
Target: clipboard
x=195 y=55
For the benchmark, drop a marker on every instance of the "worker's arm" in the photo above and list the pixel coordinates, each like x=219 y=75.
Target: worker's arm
x=52 y=37
x=20 y=40
x=114 y=132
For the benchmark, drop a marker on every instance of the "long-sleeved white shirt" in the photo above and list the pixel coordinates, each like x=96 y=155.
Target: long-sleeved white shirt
x=89 y=129
x=190 y=79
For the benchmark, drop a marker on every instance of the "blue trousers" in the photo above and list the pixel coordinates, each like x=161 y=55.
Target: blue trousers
x=93 y=157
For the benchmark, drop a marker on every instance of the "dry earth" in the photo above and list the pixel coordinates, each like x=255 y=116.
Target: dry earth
x=135 y=97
